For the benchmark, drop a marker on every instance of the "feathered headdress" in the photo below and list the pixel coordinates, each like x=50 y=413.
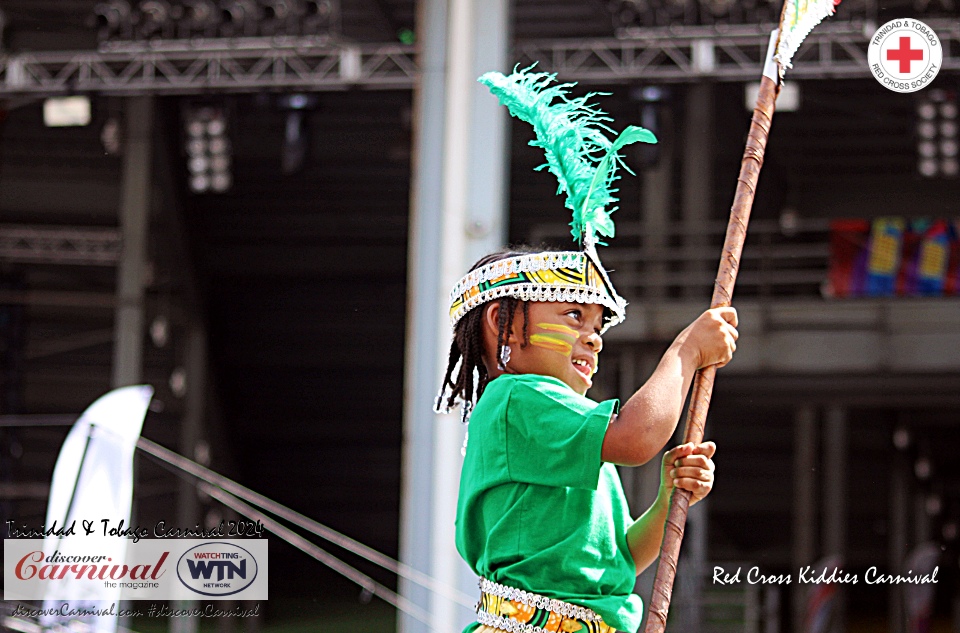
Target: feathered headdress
x=574 y=137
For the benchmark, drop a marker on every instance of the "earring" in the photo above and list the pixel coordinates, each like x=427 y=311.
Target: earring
x=465 y=410
x=504 y=357
x=438 y=405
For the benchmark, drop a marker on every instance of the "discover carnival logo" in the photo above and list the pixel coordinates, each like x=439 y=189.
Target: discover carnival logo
x=217 y=569
x=59 y=567
x=905 y=55
x=79 y=567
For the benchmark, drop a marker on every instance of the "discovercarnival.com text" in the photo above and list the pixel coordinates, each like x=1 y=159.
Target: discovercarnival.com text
x=154 y=611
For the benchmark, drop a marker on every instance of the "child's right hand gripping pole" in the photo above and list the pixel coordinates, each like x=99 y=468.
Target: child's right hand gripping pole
x=703 y=384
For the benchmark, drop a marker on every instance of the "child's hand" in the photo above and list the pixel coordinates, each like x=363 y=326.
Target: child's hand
x=712 y=338
x=688 y=467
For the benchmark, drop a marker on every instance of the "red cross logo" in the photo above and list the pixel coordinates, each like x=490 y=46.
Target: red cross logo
x=905 y=54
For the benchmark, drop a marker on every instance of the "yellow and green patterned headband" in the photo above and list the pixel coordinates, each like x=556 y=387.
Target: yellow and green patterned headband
x=573 y=276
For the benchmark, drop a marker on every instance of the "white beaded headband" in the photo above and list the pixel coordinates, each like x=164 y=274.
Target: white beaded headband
x=572 y=276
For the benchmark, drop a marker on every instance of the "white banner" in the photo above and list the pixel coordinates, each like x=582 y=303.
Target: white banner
x=82 y=568
x=93 y=480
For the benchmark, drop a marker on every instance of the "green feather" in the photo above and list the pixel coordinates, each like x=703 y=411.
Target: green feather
x=573 y=136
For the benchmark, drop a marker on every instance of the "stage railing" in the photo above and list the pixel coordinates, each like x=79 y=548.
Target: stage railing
x=780 y=259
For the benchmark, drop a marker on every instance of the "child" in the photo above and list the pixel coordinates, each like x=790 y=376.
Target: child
x=541 y=516
x=541 y=507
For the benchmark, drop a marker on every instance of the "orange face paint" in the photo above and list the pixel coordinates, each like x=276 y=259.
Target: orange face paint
x=557 y=338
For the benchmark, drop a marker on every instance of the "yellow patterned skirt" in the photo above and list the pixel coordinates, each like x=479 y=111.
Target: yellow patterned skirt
x=490 y=629
x=505 y=610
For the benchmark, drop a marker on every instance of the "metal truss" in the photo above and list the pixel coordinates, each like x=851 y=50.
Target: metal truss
x=832 y=50
x=240 y=65
x=735 y=53
x=60 y=245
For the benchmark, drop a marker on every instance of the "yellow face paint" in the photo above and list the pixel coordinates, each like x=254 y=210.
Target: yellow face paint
x=551 y=342
x=557 y=338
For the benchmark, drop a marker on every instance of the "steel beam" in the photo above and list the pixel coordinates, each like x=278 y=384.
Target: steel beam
x=134 y=223
x=804 y=534
x=833 y=50
x=835 y=508
x=60 y=245
x=59 y=298
x=681 y=54
x=898 y=540
x=246 y=65
x=696 y=202
x=457 y=213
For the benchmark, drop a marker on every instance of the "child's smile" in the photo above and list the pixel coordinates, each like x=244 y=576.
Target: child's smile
x=584 y=367
x=563 y=342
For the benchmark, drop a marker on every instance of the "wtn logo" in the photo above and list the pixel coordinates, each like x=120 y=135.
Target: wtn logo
x=218 y=568
x=224 y=568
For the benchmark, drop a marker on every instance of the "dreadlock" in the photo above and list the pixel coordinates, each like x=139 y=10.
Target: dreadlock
x=466 y=350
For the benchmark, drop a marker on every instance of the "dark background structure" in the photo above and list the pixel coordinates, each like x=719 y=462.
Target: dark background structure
x=298 y=277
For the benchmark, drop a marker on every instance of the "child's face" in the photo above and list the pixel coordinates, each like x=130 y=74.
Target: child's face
x=564 y=342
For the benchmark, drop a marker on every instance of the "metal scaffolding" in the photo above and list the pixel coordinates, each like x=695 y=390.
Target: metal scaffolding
x=60 y=245
x=734 y=53
x=238 y=65
x=832 y=50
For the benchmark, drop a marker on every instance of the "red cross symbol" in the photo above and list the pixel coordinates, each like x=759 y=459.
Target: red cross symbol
x=905 y=54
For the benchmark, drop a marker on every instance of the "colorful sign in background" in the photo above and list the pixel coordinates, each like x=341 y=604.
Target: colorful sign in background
x=894 y=256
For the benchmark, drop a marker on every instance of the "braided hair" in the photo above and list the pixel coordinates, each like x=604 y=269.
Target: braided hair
x=466 y=350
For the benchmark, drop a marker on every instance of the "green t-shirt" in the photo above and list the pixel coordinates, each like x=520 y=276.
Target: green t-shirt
x=538 y=510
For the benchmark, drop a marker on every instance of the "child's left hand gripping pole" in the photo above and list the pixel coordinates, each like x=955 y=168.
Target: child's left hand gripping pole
x=722 y=294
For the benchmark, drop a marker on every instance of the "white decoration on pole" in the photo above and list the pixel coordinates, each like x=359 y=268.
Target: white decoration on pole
x=770 y=67
x=798 y=19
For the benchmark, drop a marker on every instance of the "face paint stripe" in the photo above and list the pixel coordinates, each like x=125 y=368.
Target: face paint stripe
x=557 y=327
x=551 y=342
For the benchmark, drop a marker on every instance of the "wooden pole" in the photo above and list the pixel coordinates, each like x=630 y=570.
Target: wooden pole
x=703 y=384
